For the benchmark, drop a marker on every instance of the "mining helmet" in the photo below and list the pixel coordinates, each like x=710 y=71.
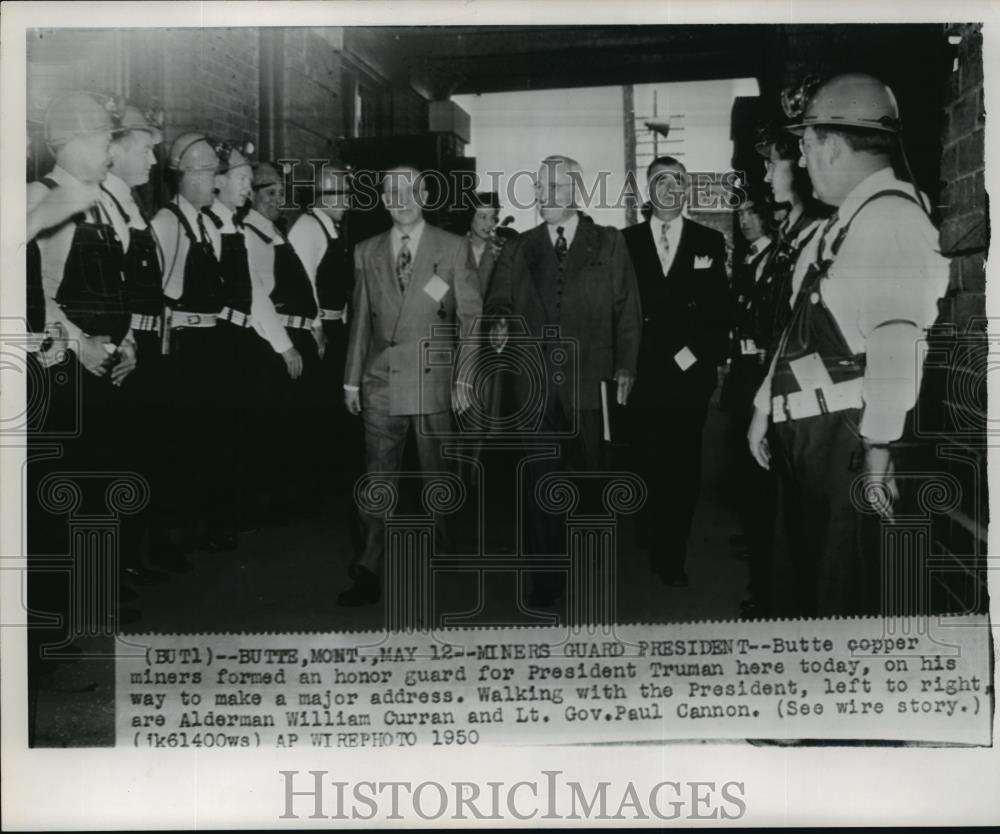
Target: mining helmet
x=264 y=175
x=193 y=152
x=79 y=114
x=133 y=118
x=851 y=100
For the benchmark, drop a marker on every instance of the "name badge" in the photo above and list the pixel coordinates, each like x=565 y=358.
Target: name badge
x=436 y=288
x=684 y=358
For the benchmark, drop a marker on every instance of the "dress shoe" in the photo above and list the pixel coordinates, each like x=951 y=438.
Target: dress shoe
x=142 y=576
x=126 y=594
x=364 y=591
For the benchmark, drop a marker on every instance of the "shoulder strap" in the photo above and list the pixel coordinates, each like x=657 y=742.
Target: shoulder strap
x=118 y=205
x=176 y=210
x=258 y=232
x=49 y=183
x=889 y=192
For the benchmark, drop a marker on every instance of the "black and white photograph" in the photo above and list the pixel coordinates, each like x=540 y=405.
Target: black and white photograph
x=402 y=393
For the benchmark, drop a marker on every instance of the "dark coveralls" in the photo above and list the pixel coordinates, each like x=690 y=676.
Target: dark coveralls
x=241 y=352
x=827 y=557
x=343 y=446
x=295 y=402
x=196 y=384
x=143 y=389
x=67 y=396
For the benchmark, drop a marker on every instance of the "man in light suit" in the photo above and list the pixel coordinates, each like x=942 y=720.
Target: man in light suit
x=680 y=266
x=407 y=281
x=571 y=274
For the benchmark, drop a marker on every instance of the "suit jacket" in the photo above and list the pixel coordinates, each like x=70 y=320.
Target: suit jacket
x=389 y=356
x=687 y=308
x=599 y=308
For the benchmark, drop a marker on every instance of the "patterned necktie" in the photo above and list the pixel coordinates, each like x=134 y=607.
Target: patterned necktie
x=561 y=247
x=664 y=249
x=403 y=262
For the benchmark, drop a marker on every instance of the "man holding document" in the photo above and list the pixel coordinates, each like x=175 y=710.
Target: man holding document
x=570 y=280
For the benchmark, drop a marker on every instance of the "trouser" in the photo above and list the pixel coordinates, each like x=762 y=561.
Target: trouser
x=246 y=356
x=342 y=437
x=826 y=556
x=668 y=446
x=753 y=489
x=78 y=467
x=292 y=433
x=385 y=443
x=579 y=451
x=195 y=432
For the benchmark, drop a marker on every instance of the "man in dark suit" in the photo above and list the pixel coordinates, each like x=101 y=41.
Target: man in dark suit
x=571 y=274
x=408 y=280
x=680 y=266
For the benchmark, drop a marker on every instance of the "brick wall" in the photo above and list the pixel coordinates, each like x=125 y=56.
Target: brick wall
x=313 y=95
x=951 y=413
x=211 y=82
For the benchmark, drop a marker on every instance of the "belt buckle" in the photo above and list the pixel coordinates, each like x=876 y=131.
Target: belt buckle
x=786 y=407
x=194 y=319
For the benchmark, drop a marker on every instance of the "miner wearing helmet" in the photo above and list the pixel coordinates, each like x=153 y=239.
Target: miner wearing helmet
x=135 y=136
x=320 y=239
x=195 y=375
x=294 y=371
x=845 y=371
x=81 y=257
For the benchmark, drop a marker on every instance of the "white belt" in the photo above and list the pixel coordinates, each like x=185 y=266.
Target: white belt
x=178 y=319
x=296 y=322
x=802 y=404
x=237 y=317
x=333 y=315
x=141 y=322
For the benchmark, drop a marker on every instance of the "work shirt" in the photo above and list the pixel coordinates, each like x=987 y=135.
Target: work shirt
x=261 y=256
x=175 y=242
x=882 y=290
x=120 y=191
x=54 y=247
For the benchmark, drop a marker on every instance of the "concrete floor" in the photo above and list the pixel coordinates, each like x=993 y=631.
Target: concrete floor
x=287 y=580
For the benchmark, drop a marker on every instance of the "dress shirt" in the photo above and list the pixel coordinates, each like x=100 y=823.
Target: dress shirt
x=261 y=257
x=396 y=239
x=568 y=227
x=889 y=269
x=54 y=247
x=120 y=190
x=673 y=238
x=175 y=243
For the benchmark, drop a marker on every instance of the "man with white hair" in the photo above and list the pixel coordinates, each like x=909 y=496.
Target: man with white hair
x=570 y=280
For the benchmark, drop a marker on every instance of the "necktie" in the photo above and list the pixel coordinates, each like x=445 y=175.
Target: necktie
x=203 y=231
x=403 y=261
x=561 y=247
x=664 y=249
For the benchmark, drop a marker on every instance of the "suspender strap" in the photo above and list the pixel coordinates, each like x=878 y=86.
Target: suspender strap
x=258 y=232
x=176 y=210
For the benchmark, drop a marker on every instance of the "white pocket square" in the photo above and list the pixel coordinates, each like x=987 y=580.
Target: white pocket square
x=703 y=261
